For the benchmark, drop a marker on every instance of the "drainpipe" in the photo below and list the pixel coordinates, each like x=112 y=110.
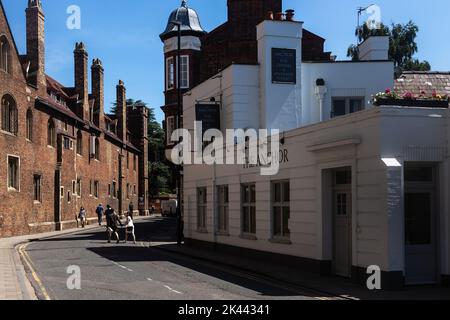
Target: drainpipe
x=320 y=90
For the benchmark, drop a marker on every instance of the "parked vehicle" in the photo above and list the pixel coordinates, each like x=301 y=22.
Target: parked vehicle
x=169 y=208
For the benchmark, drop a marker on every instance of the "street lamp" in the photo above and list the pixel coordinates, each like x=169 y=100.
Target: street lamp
x=180 y=221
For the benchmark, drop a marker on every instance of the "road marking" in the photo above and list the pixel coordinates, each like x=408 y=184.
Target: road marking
x=30 y=265
x=149 y=279
x=170 y=289
x=123 y=267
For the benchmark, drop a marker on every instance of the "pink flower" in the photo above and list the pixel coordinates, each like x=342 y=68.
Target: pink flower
x=388 y=91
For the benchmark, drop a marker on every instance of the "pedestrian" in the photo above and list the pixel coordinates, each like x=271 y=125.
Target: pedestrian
x=112 y=224
x=131 y=209
x=82 y=217
x=130 y=228
x=99 y=212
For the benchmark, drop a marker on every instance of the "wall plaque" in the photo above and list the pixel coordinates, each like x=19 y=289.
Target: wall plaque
x=284 y=66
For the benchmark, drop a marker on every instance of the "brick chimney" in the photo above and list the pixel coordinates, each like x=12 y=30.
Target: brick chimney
x=35 y=21
x=81 y=80
x=121 y=111
x=245 y=15
x=97 y=77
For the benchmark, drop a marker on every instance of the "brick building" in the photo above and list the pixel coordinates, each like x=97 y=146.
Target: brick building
x=59 y=149
x=204 y=54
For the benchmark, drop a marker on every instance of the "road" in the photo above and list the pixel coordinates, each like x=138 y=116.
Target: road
x=142 y=272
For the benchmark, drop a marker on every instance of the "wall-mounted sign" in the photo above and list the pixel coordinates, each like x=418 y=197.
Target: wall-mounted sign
x=284 y=66
x=209 y=115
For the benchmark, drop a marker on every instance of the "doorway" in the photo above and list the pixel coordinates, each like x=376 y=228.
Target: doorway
x=421 y=240
x=342 y=222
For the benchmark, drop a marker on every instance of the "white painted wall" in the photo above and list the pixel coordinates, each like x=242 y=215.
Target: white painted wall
x=377 y=192
x=280 y=106
x=342 y=79
x=374 y=48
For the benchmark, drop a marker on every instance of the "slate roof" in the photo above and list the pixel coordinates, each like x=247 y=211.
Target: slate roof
x=418 y=82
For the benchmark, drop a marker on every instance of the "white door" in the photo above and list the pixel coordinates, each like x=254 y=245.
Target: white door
x=342 y=216
x=420 y=236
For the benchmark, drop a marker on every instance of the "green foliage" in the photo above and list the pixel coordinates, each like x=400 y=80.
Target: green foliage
x=402 y=45
x=159 y=169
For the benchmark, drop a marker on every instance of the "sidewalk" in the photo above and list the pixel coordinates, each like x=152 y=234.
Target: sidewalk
x=332 y=285
x=14 y=284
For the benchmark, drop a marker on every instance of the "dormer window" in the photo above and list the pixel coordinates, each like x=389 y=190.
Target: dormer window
x=5 y=56
x=170 y=74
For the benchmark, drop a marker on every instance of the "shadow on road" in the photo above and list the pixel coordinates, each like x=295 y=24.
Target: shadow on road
x=142 y=254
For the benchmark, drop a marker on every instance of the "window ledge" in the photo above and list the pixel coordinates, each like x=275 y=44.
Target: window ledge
x=280 y=240
x=7 y=133
x=13 y=190
x=247 y=236
x=204 y=231
x=222 y=233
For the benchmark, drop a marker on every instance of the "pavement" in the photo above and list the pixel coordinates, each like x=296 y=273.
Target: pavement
x=14 y=269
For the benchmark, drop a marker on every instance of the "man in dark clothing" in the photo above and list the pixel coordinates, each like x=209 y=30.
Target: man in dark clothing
x=112 y=223
x=99 y=212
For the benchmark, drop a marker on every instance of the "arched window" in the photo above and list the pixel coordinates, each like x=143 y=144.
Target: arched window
x=51 y=133
x=97 y=149
x=9 y=114
x=5 y=56
x=30 y=125
x=79 y=143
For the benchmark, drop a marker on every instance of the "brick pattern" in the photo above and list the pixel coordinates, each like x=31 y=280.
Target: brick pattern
x=59 y=204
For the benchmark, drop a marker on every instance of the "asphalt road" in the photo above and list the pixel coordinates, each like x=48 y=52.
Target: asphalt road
x=139 y=272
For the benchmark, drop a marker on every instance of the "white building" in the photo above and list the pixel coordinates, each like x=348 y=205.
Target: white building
x=358 y=185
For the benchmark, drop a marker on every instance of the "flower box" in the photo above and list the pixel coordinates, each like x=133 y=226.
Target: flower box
x=412 y=103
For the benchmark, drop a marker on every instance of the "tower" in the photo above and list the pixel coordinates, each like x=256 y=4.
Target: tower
x=191 y=33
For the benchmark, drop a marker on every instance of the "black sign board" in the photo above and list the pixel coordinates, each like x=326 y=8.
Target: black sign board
x=284 y=66
x=209 y=115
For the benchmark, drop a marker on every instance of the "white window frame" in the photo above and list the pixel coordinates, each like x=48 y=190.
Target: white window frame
x=282 y=204
x=170 y=130
x=223 y=203
x=170 y=61
x=202 y=207
x=347 y=105
x=186 y=70
x=251 y=206
x=39 y=196
x=12 y=189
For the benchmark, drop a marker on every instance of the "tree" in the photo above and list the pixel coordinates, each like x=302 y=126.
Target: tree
x=402 y=45
x=159 y=169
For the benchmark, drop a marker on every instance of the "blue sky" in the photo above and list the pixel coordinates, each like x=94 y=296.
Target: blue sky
x=124 y=34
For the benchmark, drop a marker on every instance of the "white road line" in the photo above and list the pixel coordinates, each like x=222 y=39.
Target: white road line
x=123 y=267
x=174 y=291
x=149 y=279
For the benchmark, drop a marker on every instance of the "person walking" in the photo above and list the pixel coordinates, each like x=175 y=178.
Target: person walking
x=99 y=212
x=131 y=210
x=130 y=228
x=112 y=224
x=82 y=217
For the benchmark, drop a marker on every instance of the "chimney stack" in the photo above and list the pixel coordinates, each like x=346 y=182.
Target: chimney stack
x=97 y=76
x=121 y=111
x=35 y=33
x=81 y=80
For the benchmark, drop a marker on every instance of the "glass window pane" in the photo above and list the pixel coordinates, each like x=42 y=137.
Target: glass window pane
x=418 y=173
x=418 y=218
x=286 y=192
x=338 y=107
x=277 y=192
x=356 y=105
x=277 y=221
x=286 y=217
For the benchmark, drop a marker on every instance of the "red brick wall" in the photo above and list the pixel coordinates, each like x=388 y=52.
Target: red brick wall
x=19 y=214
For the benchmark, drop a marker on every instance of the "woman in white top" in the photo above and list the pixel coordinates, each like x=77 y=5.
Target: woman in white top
x=130 y=229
